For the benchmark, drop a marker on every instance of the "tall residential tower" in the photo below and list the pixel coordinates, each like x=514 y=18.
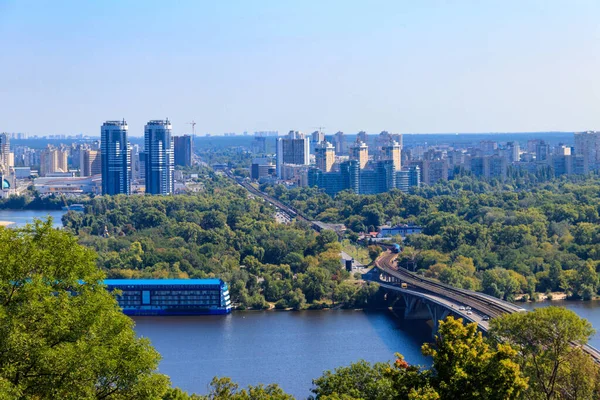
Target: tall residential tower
x=183 y=150
x=359 y=151
x=293 y=149
x=4 y=152
x=115 y=157
x=325 y=156
x=158 y=147
x=393 y=151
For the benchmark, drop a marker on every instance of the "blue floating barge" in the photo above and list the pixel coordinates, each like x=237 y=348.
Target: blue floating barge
x=171 y=296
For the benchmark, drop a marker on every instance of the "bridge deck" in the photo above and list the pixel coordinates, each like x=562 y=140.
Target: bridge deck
x=473 y=317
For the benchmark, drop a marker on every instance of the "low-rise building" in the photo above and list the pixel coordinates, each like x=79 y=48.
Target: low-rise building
x=262 y=167
x=69 y=185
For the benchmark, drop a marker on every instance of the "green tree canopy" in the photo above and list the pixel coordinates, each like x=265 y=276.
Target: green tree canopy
x=62 y=335
x=467 y=367
x=544 y=340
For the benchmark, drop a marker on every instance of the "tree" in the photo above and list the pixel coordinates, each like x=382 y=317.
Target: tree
x=326 y=237
x=296 y=300
x=359 y=380
x=503 y=283
x=344 y=293
x=544 y=341
x=315 y=283
x=178 y=394
x=554 y=276
x=374 y=252
x=372 y=214
x=225 y=389
x=466 y=367
x=587 y=282
x=580 y=377
x=62 y=335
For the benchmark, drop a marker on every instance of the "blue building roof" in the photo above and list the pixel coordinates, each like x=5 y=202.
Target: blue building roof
x=182 y=282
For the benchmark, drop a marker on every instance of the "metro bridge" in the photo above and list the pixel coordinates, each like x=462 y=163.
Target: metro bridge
x=429 y=299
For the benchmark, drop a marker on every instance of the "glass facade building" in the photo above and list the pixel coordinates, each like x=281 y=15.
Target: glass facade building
x=183 y=150
x=115 y=158
x=171 y=296
x=159 y=165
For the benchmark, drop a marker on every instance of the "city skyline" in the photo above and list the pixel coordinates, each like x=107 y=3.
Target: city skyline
x=410 y=68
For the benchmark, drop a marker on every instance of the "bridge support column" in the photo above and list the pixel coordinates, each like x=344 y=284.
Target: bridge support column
x=415 y=308
x=437 y=314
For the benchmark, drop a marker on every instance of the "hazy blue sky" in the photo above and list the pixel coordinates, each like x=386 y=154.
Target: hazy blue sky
x=402 y=66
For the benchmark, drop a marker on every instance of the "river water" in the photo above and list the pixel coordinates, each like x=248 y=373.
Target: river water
x=288 y=348
x=292 y=348
x=22 y=217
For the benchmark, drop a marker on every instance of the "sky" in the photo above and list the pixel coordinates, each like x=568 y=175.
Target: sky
x=240 y=65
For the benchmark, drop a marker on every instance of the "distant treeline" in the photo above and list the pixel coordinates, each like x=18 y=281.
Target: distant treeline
x=32 y=202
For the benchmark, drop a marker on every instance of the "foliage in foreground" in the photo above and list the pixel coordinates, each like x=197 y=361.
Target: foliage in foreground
x=544 y=342
x=62 y=335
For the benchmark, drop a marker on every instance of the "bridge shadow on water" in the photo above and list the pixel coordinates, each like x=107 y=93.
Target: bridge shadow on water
x=406 y=337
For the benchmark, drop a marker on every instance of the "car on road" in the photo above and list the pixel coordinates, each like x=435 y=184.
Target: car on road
x=469 y=312
x=462 y=308
x=467 y=308
x=485 y=318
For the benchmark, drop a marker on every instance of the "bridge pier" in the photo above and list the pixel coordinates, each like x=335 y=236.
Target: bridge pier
x=419 y=309
x=438 y=314
x=415 y=308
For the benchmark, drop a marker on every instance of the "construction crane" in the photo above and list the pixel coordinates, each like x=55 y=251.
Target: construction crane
x=320 y=128
x=193 y=124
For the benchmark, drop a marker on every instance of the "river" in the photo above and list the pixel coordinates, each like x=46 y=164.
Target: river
x=292 y=348
x=21 y=217
x=288 y=348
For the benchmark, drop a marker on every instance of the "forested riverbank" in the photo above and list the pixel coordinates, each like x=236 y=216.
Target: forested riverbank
x=521 y=236
x=221 y=232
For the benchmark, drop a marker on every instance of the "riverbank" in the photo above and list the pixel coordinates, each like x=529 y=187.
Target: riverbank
x=550 y=297
x=542 y=297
